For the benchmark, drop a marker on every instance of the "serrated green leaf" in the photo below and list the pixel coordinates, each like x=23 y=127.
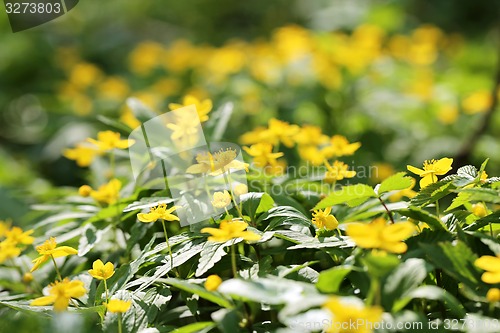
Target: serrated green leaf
x=196 y=289
x=212 y=253
x=433 y=192
x=433 y=293
x=423 y=216
x=484 y=221
x=199 y=327
x=283 y=215
x=396 y=182
x=255 y=203
x=349 y=193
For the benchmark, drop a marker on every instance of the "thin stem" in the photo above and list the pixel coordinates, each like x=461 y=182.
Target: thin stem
x=437 y=208
x=374 y=297
x=389 y=213
x=233 y=261
x=112 y=164
x=57 y=269
x=119 y=322
x=168 y=248
x=106 y=290
x=491 y=230
x=228 y=183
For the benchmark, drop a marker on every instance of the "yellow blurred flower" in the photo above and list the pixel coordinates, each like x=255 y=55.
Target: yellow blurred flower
x=101 y=271
x=83 y=155
x=118 y=306
x=262 y=154
x=378 y=235
x=108 y=140
x=60 y=293
x=107 y=193
x=84 y=74
x=323 y=219
x=493 y=295
x=448 y=114
x=213 y=282
x=158 y=212
x=202 y=107
x=477 y=102
x=145 y=57
x=337 y=171
x=382 y=171
x=240 y=189
x=4 y=226
x=27 y=277
x=281 y=131
x=84 y=190
x=113 y=88
x=310 y=135
x=8 y=250
x=230 y=230
x=221 y=199
x=492 y=267
x=345 y=313
x=432 y=169
x=217 y=163
x=16 y=235
x=340 y=146
x=312 y=154
x=479 y=209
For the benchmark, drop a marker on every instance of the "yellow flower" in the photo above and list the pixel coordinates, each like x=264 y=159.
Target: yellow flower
x=340 y=146
x=379 y=235
x=85 y=190
x=113 y=88
x=108 y=140
x=157 y=213
x=346 y=314
x=230 y=230
x=218 y=163
x=382 y=171
x=310 y=135
x=312 y=154
x=407 y=192
x=60 y=293
x=221 y=199
x=118 y=306
x=83 y=155
x=240 y=189
x=50 y=249
x=101 y=271
x=27 y=277
x=262 y=154
x=202 y=107
x=257 y=135
x=492 y=267
x=323 y=219
x=107 y=193
x=282 y=131
x=213 y=282
x=431 y=169
x=18 y=236
x=8 y=250
x=493 y=295
x=185 y=130
x=84 y=75
x=337 y=171
x=477 y=102
x=479 y=209
x=448 y=114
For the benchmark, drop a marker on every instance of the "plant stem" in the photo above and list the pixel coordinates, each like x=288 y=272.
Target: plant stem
x=389 y=213
x=119 y=323
x=106 y=290
x=227 y=179
x=168 y=248
x=233 y=261
x=437 y=208
x=112 y=164
x=374 y=297
x=57 y=269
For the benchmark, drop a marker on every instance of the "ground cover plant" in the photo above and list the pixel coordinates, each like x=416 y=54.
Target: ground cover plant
x=305 y=181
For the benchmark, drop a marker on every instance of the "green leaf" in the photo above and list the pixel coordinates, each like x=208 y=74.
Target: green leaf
x=379 y=265
x=456 y=259
x=196 y=289
x=283 y=215
x=147 y=202
x=405 y=278
x=484 y=221
x=433 y=293
x=255 y=203
x=113 y=123
x=356 y=194
x=396 y=182
x=203 y=326
x=432 y=193
x=329 y=281
x=212 y=253
x=423 y=216
x=90 y=238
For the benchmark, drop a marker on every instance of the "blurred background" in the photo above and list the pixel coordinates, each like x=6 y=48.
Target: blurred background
x=411 y=80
